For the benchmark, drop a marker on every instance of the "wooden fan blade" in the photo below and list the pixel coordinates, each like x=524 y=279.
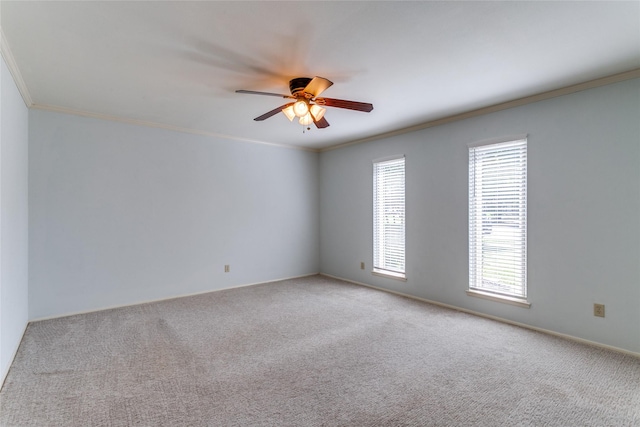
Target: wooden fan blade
x=272 y=112
x=322 y=123
x=317 y=85
x=341 y=103
x=253 y=92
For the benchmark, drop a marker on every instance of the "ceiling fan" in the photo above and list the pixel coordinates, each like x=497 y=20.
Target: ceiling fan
x=307 y=104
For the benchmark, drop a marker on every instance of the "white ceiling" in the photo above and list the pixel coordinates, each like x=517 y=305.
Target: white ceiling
x=178 y=64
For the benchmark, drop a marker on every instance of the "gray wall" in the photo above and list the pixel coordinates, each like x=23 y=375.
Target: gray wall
x=121 y=214
x=583 y=212
x=13 y=219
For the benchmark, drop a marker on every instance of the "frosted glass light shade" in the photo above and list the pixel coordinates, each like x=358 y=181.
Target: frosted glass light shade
x=300 y=108
x=289 y=113
x=317 y=112
x=306 y=119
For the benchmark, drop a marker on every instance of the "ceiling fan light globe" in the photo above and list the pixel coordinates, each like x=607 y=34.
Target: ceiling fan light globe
x=306 y=120
x=289 y=112
x=317 y=112
x=300 y=108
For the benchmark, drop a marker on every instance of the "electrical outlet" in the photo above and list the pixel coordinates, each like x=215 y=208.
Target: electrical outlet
x=226 y=268
x=362 y=266
x=598 y=310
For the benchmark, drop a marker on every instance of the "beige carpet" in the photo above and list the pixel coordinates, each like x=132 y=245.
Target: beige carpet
x=309 y=352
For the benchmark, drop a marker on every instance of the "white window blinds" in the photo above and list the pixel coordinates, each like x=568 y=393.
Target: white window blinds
x=389 y=217
x=498 y=218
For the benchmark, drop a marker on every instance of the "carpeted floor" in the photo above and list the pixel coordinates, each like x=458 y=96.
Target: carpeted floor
x=309 y=352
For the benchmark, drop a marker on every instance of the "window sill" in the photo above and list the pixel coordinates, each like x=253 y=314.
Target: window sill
x=519 y=302
x=389 y=275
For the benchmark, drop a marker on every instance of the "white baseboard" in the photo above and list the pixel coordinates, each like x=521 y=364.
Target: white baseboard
x=3 y=375
x=489 y=316
x=57 y=316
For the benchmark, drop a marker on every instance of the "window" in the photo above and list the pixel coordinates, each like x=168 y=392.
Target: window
x=388 y=217
x=498 y=219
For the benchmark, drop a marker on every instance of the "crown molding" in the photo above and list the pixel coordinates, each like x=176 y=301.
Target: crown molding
x=603 y=81
x=65 y=110
x=14 y=70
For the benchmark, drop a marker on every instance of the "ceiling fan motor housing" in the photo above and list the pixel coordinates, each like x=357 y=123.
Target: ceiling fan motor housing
x=298 y=84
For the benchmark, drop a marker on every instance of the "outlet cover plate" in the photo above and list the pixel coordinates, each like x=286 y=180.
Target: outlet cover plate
x=598 y=310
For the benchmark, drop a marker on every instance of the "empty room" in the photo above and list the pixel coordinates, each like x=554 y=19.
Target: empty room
x=314 y=213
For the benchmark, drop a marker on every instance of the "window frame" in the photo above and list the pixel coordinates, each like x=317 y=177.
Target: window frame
x=477 y=224
x=383 y=263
